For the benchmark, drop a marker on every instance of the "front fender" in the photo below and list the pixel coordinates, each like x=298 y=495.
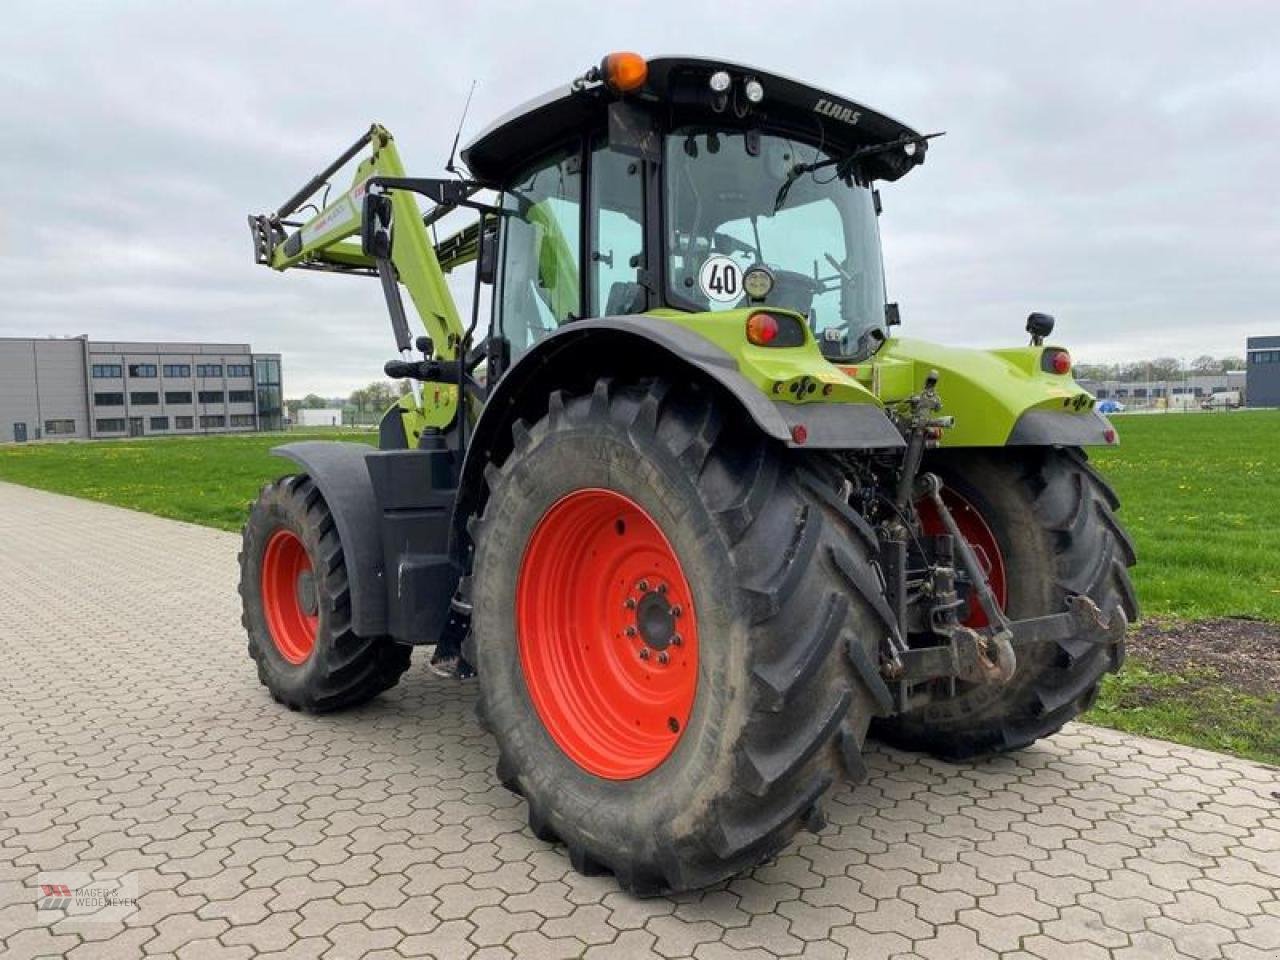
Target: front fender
x=338 y=470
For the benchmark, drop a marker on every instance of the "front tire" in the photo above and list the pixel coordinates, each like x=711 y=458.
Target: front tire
x=1056 y=534
x=636 y=492
x=297 y=606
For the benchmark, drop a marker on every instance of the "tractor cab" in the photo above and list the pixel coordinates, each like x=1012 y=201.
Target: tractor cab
x=691 y=185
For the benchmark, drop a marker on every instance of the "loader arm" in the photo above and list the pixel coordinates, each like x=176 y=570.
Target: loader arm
x=324 y=242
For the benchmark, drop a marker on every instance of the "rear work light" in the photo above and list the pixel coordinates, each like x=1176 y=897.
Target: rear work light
x=1056 y=361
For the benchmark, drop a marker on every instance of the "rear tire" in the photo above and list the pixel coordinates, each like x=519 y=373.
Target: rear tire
x=1054 y=522
x=789 y=619
x=301 y=640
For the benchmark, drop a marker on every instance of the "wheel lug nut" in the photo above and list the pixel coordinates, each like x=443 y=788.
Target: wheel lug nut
x=662 y=657
x=677 y=640
x=631 y=631
x=630 y=603
x=662 y=588
x=644 y=653
x=677 y=610
x=643 y=586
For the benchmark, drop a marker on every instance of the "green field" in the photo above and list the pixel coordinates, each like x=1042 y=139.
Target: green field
x=205 y=480
x=1200 y=493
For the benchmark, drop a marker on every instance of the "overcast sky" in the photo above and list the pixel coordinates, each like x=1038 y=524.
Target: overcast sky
x=1113 y=164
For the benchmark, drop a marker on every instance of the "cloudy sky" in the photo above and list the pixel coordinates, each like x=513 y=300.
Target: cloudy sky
x=1115 y=164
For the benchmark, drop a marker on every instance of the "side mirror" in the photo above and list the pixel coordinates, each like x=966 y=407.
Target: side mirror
x=487 y=256
x=375 y=226
x=1039 y=325
x=892 y=315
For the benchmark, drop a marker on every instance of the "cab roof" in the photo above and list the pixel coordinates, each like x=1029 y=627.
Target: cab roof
x=680 y=84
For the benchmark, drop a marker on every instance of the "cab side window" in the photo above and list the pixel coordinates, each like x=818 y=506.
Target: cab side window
x=539 y=280
x=617 y=234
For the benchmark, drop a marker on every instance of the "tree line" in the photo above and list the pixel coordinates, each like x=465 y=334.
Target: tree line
x=369 y=400
x=1161 y=368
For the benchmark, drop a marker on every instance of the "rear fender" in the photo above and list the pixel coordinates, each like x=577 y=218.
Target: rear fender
x=997 y=397
x=575 y=355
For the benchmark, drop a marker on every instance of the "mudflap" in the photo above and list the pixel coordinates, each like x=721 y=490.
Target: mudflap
x=415 y=492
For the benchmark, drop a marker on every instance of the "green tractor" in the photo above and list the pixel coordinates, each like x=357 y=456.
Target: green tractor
x=690 y=511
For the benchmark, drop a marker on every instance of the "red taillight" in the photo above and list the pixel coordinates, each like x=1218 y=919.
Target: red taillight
x=761 y=329
x=1059 y=362
x=799 y=434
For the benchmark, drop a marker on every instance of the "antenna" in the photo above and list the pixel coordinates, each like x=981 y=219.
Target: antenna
x=457 y=136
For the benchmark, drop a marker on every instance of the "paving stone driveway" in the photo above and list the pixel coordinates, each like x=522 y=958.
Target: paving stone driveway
x=134 y=738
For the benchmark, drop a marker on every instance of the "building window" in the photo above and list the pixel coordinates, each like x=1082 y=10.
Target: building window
x=177 y=369
x=142 y=370
x=56 y=427
x=268 y=371
x=239 y=370
x=208 y=369
x=147 y=399
x=270 y=412
x=109 y=426
x=211 y=396
x=177 y=396
x=243 y=419
x=240 y=396
x=182 y=423
x=1101 y=394
x=213 y=420
x=108 y=399
x=159 y=423
x=108 y=370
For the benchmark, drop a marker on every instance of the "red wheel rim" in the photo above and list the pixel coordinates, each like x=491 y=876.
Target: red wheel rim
x=981 y=539
x=288 y=596
x=607 y=635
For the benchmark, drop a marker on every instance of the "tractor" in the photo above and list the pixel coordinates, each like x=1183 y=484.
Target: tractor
x=694 y=516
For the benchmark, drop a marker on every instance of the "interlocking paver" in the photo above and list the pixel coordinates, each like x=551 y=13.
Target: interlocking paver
x=255 y=832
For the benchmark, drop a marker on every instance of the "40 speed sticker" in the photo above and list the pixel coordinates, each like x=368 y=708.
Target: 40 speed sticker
x=720 y=280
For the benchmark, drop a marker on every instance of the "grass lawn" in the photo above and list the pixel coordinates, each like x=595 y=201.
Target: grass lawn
x=1200 y=493
x=208 y=480
x=1193 y=707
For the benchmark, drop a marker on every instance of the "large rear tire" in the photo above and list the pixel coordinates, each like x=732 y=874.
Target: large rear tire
x=297 y=606
x=614 y=509
x=1055 y=529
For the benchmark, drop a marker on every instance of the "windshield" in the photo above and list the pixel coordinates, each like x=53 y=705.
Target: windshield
x=727 y=210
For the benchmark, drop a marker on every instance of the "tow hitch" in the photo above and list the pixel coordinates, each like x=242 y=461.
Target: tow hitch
x=988 y=655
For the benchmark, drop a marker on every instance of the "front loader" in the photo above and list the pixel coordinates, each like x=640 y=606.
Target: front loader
x=690 y=511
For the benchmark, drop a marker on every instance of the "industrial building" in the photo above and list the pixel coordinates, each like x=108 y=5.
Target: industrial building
x=62 y=388
x=1138 y=394
x=1262 y=366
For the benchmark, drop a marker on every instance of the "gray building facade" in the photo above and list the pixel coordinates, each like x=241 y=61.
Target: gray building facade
x=1262 y=368
x=79 y=388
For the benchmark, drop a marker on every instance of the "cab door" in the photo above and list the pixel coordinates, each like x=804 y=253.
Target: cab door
x=615 y=234
x=539 y=284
